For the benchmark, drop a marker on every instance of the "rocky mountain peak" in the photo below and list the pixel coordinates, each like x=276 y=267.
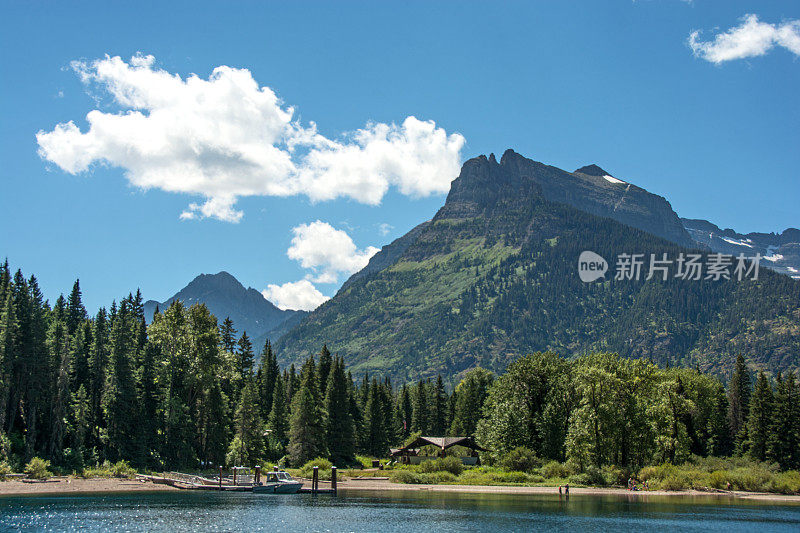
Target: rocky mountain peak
x=592 y=170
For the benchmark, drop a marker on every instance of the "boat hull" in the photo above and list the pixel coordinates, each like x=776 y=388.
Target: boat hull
x=277 y=488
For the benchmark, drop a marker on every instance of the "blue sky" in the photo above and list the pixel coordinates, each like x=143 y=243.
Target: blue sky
x=566 y=83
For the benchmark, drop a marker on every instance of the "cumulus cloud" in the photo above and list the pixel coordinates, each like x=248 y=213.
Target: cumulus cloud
x=226 y=137
x=327 y=251
x=384 y=228
x=300 y=295
x=751 y=38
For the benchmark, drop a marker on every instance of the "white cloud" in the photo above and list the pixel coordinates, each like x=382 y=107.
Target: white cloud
x=384 y=228
x=327 y=251
x=751 y=38
x=300 y=295
x=225 y=138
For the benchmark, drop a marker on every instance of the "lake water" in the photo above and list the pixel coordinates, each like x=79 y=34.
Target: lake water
x=390 y=512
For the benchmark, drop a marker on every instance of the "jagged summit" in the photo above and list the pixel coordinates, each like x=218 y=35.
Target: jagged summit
x=592 y=170
x=484 y=184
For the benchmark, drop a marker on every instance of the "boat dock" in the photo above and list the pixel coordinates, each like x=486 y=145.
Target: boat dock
x=238 y=481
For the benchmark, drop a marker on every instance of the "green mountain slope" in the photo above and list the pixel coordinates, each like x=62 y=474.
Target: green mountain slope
x=494 y=276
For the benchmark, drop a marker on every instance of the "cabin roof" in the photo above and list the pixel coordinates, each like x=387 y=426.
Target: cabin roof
x=442 y=443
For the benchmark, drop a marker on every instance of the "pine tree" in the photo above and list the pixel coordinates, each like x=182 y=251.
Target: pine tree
x=98 y=364
x=79 y=410
x=356 y=413
x=59 y=341
x=245 y=357
x=308 y=377
x=420 y=416
x=5 y=280
x=9 y=342
x=782 y=441
x=278 y=422
x=793 y=393
x=404 y=411
x=324 y=368
x=76 y=312
x=292 y=383
x=307 y=427
x=247 y=446
x=149 y=394
x=227 y=335
x=121 y=403
x=375 y=422
x=268 y=375
x=387 y=408
x=216 y=428
x=81 y=346
x=340 y=434
x=439 y=402
x=760 y=418
x=738 y=400
x=38 y=365
x=719 y=443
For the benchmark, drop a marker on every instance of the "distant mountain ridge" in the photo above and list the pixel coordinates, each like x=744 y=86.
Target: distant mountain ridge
x=494 y=275
x=779 y=251
x=226 y=297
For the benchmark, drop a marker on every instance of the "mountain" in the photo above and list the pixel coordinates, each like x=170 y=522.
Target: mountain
x=779 y=251
x=494 y=275
x=226 y=297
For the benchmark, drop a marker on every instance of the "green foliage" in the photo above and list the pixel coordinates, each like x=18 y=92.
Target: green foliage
x=120 y=469
x=307 y=429
x=323 y=471
x=470 y=395
x=340 y=430
x=785 y=482
x=442 y=464
x=405 y=476
x=554 y=470
x=180 y=394
x=364 y=461
x=520 y=459
x=38 y=468
x=5 y=469
x=123 y=469
x=591 y=476
x=614 y=475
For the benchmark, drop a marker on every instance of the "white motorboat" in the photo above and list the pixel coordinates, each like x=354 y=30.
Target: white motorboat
x=277 y=483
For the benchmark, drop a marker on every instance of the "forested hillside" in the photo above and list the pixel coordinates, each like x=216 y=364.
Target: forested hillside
x=183 y=392
x=494 y=276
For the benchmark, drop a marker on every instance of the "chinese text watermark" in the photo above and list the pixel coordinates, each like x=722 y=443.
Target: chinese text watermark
x=685 y=266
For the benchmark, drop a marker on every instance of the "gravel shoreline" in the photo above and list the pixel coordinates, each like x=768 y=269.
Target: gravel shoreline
x=98 y=485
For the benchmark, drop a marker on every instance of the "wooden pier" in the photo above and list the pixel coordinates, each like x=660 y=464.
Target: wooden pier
x=235 y=483
x=315 y=483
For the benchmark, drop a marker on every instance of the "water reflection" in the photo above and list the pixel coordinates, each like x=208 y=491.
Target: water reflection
x=390 y=512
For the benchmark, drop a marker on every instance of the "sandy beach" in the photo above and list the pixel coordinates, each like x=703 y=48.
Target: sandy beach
x=368 y=484
x=79 y=485
x=65 y=485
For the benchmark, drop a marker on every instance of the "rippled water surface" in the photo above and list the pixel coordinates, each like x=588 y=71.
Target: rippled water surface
x=390 y=512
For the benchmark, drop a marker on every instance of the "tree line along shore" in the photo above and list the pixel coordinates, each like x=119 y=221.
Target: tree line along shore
x=108 y=392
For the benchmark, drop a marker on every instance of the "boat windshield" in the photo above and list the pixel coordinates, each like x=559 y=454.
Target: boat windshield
x=283 y=476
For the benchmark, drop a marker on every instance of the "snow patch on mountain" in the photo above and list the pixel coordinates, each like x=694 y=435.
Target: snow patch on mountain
x=736 y=242
x=612 y=179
